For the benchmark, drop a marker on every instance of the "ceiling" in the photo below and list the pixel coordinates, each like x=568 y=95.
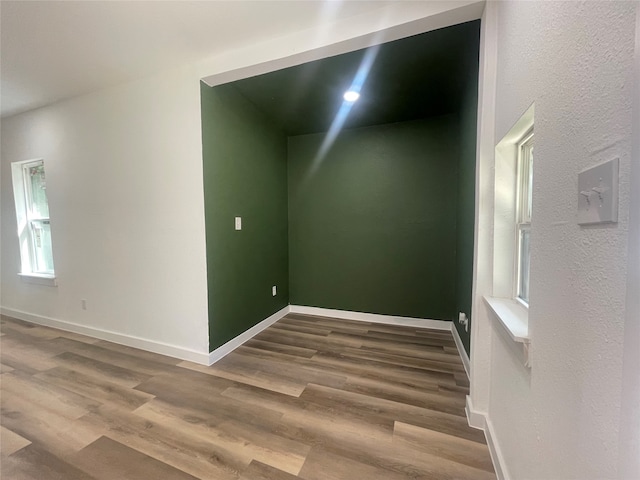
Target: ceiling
x=51 y=50
x=416 y=77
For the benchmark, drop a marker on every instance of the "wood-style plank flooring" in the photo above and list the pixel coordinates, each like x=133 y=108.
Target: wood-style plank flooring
x=308 y=398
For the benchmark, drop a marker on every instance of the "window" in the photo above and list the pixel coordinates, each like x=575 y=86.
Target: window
x=32 y=214
x=523 y=216
x=513 y=183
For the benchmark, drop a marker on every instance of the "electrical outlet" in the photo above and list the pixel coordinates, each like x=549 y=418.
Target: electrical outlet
x=463 y=320
x=238 y=223
x=83 y=304
x=274 y=291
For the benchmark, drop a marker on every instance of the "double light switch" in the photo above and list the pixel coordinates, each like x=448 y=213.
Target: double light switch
x=598 y=193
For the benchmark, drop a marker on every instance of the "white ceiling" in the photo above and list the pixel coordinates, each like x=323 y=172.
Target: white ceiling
x=51 y=50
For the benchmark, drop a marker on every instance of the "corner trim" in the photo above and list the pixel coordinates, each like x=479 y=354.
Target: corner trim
x=235 y=342
x=479 y=420
x=110 y=336
x=475 y=419
x=373 y=317
x=463 y=353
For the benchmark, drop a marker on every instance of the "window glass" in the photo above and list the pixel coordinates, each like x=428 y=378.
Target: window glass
x=525 y=262
x=42 y=246
x=37 y=190
x=525 y=202
x=530 y=182
x=32 y=213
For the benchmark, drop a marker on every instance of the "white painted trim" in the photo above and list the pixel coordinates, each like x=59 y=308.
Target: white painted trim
x=39 y=279
x=475 y=418
x=479 y=420
x=461 y=350
x=373 y=317
x=122 y=339
x=481 y=327
x=514 y=318
x=496 y=453
x=235 y=342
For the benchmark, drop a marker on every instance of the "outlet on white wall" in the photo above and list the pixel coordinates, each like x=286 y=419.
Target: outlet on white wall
x=274 y=291
x=83 y=304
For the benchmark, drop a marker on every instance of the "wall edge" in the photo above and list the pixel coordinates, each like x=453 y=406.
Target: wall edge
x=245 y=336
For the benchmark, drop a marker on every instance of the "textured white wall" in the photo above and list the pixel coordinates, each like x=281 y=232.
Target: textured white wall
x=575 y=61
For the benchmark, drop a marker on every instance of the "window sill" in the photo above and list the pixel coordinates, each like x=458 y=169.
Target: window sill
x=514 y=319
x=39 y=279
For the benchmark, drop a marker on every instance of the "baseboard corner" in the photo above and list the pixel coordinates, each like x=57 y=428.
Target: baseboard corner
x=475 y=419
x=231 y=345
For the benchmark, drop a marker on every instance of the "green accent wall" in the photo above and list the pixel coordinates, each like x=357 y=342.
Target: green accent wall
x=382 y=223
x=466 y=211
x=372 y=225
x=245 y=174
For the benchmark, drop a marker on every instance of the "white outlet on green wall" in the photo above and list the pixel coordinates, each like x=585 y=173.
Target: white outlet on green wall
x=273 y=291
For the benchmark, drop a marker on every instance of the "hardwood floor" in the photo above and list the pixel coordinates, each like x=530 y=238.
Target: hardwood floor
x=308 y=398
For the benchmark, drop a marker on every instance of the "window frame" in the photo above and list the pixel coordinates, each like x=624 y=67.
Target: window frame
x=510 y=313
x=31 y=269
x=524 y=205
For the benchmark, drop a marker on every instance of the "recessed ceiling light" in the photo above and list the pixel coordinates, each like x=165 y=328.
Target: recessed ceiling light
x=351 y=96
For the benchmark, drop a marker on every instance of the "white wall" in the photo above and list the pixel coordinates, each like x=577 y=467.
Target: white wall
x=630 y=412
x=399 y=20
x=481 y=331
x=125 y=193
x=561 y=418
x=124 y=176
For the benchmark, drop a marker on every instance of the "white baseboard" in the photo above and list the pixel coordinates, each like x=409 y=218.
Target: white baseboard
x=373 y=317
x=461 y=350
x=475 y=418
x=480 y=421
x=496 y=453
x=235 y=342
x=128 y=340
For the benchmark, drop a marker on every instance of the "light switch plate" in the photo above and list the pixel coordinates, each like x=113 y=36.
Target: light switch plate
x=598 y=193
x=238 y=223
